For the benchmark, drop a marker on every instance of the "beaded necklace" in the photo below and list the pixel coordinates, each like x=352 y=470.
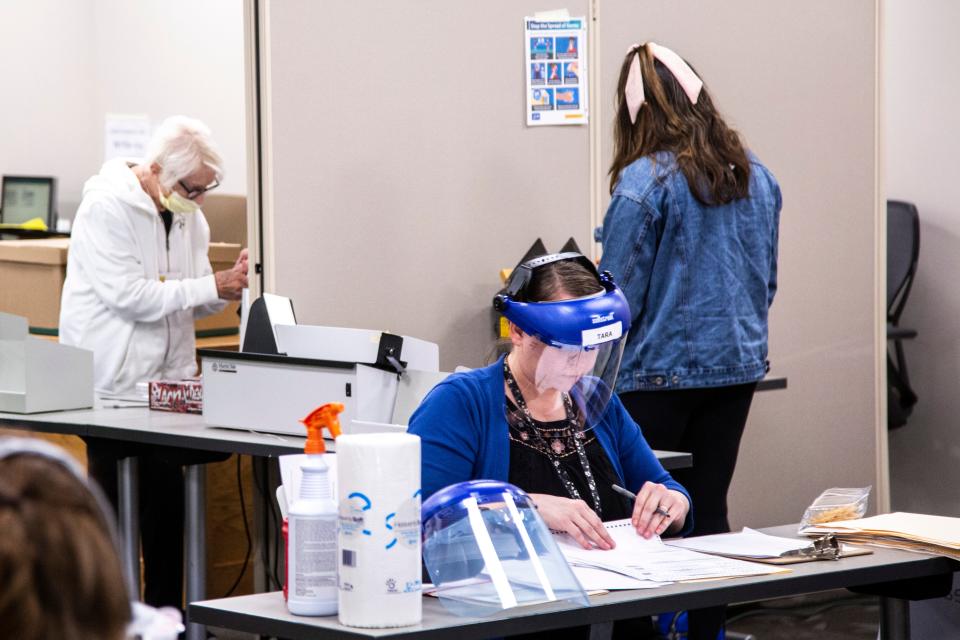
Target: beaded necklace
x=555 y=459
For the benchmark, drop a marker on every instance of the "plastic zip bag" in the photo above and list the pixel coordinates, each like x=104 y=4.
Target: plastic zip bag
x=837 y=504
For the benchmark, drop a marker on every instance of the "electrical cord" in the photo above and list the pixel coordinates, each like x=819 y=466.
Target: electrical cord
x=246 y=530
x=270 y=567
x=278 y=535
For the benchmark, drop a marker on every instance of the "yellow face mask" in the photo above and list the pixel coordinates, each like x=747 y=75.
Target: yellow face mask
x=176 y=203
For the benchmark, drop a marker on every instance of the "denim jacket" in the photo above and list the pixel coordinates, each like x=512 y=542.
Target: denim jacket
x=699 y=279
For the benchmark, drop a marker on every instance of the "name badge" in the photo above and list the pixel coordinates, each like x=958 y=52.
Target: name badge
x=599 y=335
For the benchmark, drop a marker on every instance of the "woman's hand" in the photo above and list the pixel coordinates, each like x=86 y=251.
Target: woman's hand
x=658 y=510
x=575 y=518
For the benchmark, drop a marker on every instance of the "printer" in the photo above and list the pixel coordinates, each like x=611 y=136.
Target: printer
x=285 y=370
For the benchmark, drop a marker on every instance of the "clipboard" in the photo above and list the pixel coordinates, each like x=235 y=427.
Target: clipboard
x=846 y=551
x=826 y=547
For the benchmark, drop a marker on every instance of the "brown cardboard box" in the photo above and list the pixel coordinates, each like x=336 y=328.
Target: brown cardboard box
x=227 y=217
x=32 y=274
x=31 y=277
x=222 y=256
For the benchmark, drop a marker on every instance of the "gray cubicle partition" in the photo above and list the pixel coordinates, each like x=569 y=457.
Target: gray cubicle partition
x=799 y=81
x=399 y=178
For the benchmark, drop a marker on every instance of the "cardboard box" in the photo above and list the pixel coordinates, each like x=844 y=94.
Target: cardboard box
x=32 y=274
x=227 y=217
x=222 y=255
x=31 y=278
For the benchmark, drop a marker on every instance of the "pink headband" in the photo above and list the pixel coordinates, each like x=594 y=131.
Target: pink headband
x=633 y=90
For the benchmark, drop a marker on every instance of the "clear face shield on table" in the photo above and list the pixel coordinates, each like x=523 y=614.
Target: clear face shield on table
x=578 y=342
x=487 y=549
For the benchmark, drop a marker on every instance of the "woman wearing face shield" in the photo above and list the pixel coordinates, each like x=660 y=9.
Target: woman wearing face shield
x=544 y=418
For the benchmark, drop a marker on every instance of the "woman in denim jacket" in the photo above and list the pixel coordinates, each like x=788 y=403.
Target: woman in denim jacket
x=691 y=236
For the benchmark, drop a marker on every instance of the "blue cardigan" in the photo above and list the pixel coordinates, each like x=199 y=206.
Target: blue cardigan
x=464 y=436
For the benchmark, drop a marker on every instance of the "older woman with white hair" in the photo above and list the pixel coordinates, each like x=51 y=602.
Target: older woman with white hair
x=138 y=272
x=137 y=276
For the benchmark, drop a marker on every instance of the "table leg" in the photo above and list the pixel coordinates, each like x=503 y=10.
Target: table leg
x=262 y=528
x=196 y=536
x=894 y=619
x=128 y=507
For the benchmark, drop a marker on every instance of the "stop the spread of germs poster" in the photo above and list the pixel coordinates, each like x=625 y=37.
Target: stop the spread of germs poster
x=556 y=70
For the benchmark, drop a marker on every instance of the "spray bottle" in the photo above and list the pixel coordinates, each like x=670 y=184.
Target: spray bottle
x=312 y=527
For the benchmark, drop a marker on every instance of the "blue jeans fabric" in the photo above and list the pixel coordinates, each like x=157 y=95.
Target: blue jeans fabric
x=699 y=279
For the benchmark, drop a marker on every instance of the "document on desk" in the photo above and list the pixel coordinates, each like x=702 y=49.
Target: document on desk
x=650 y=560
x=748 y=543
x=594 y=579
x=907 y=531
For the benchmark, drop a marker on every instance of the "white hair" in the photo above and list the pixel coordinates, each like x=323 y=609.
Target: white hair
x=181 y=146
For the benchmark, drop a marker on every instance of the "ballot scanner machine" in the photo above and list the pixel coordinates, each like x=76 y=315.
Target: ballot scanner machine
x=285 y=371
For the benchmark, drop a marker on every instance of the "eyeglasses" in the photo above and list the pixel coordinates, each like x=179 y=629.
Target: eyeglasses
x=195 y=192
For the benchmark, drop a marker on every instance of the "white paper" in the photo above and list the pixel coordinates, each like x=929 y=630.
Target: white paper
x=593 y=579
x=749 y=543
x=244 y=313
x=125 y=136
x=280 y=311
x=555 y=66
x=649 y=559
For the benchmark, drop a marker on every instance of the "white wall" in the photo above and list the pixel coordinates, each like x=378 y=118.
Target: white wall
x=922 y=166
x=164 y=57
x=65 y=65
x=46 y=106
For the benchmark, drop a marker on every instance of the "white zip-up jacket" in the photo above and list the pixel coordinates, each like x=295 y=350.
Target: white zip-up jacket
x=132 y=292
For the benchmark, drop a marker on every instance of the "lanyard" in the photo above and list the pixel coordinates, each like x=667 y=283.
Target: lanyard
x=577 y=441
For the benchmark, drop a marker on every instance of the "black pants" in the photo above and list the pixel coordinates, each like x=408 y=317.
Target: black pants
x=161 y=502
x=708 y=423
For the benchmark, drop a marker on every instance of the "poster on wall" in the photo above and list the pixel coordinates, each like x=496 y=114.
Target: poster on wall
x=556 y=70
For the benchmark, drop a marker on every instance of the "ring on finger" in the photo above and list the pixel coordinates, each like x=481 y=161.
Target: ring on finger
x=664 y=512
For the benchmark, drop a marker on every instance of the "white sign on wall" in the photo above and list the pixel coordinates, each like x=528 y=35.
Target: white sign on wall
x=125 y=136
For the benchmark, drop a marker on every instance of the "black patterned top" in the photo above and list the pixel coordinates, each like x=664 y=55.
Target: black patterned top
x=531 y=468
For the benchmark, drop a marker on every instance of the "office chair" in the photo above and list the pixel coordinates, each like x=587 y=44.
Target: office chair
x=903 y=252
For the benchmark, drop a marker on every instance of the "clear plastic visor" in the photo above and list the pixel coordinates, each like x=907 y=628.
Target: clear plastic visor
x=583 y=376
x=484 y=558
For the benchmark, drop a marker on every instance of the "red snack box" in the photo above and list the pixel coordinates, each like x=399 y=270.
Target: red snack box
x=180 y=396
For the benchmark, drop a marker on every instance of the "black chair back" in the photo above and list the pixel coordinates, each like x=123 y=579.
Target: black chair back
x=903 y=252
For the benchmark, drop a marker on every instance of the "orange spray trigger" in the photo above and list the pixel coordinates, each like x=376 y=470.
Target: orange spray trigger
x=323 y=416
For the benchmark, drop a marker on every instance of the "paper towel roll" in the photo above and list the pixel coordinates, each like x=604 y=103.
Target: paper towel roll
x=378 y=490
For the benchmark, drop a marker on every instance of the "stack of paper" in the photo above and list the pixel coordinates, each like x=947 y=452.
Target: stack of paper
x=649 y=562
x=907 y=531
x=749 y=543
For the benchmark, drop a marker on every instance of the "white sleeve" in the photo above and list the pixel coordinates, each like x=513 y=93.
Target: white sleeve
x=105 y=247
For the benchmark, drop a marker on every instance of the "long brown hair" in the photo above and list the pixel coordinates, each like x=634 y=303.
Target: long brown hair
x=708 y=152
x=60 y=574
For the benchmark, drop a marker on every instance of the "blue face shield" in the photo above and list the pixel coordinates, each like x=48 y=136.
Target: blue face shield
x=582 y=338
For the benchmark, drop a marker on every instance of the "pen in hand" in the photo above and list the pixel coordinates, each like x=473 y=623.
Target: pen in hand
x=632 y=496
